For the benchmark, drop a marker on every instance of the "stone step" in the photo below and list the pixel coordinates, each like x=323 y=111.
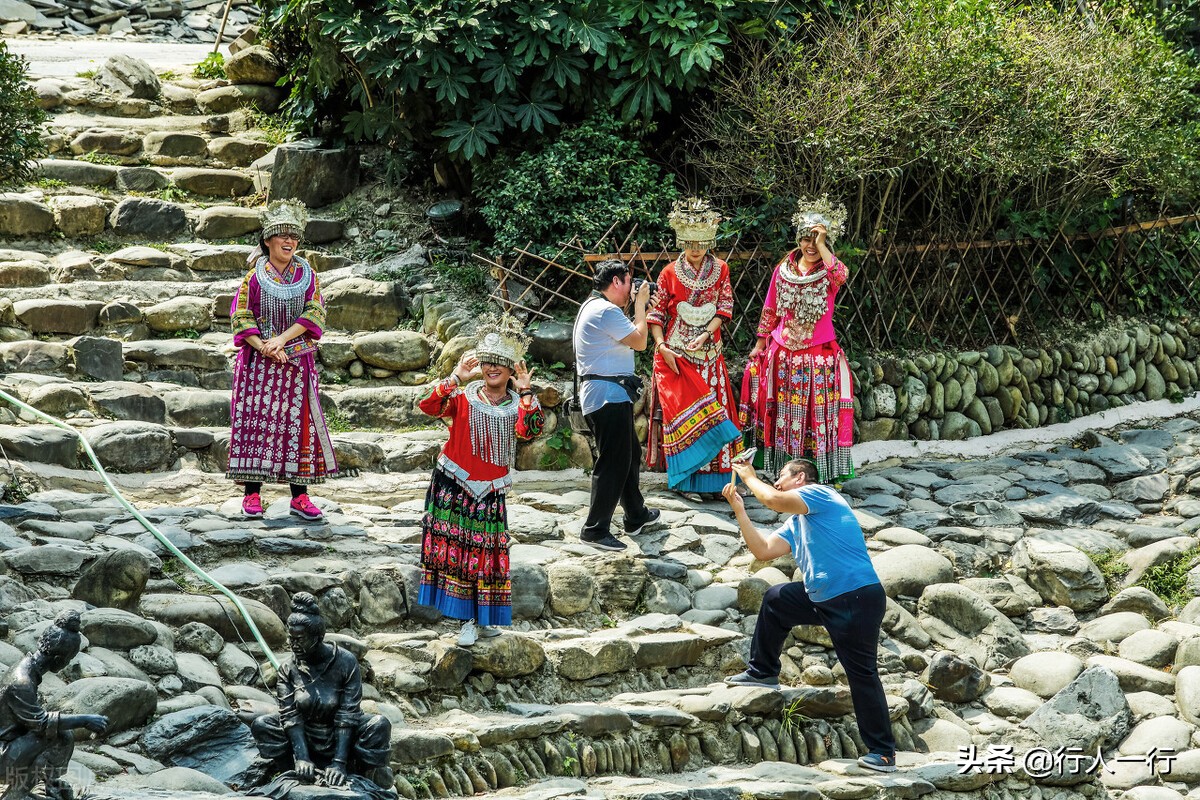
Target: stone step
x=192 y=101
x=38 y=213
x=139 y=270
x=192 y=148
x=201 y=181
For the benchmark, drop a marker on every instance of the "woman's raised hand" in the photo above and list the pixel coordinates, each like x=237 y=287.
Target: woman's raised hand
x=699 y=341
x=522 y=376
x=820 y=232
x=467 y=365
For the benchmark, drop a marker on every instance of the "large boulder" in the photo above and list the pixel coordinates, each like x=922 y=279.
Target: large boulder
x=1089 y=713
x=586 y=658
x=551 y=342
x=1045 y=673
x=954 y=679
x=180 y=314
x=1061 y=574
x=44 y=444
x=132 y=446
x=909 y=568
x=963 y=622
x=58 y=316
x=197 y=408
x=147 y=217
x=222 y=183
x=41 y=358
x=209 y=739
x=361 y=304
x=126 y=400
x=127 y=702
x=225 y=99
x=115 y=580
x=394 y=350
x=24 y=216
x=316 y=175
x=217 y=612
x=98 y=358
x=111 y=627
x=386 y=408
x=254 y=64
x=129 y=77
x=509 y=655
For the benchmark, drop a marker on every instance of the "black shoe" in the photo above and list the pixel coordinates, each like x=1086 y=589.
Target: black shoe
x=605 y=542
x=652 y=515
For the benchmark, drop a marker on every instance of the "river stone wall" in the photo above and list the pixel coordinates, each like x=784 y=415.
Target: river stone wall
x=972 y=393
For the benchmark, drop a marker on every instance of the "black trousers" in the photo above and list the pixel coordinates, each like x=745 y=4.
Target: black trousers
x=853 y=621
x=615 y=473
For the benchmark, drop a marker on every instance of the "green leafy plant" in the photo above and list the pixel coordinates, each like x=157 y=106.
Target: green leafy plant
x=276 y=129
x=475 y=72
x=791 y=717
x=336 y=422
x=86 y=74
x=579 y=183
x=559 y=447
x=1170 y=580
x=21 y=119
x=186 y=333
x=958 y=118
x=94 y=157
x=1112 y=567
x=168 y=75
x=212 y=67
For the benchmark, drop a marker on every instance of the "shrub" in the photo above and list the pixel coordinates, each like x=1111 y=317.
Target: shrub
x=20 y=120
x=212 y=67
x=581 y=182
x=473 y=72
x=954 y=118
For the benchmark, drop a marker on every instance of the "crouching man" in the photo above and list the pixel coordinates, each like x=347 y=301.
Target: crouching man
x=839 y=591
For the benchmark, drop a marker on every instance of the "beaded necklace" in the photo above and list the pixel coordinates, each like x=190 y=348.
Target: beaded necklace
x=493 y=427
x=281 y=303
x=697 y=280
x=805 y=296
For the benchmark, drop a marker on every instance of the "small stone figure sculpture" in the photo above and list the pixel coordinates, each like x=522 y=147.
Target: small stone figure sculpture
x=321 y=734
x=36 y=744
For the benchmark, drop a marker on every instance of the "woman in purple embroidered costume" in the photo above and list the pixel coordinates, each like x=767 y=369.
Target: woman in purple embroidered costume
x=797 y=393
x=691 y=402
x=464 y=533
x=278 y=431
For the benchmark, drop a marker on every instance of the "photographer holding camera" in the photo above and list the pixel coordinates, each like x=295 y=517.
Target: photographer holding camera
x=605 y=340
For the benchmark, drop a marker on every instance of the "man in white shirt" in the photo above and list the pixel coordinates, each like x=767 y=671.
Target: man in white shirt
x=605 y=340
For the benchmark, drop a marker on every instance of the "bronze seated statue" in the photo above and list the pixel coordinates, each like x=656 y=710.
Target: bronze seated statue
x=321 y=735
x=36 y=744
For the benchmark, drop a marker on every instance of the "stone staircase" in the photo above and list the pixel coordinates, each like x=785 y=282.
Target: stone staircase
x=118 y=265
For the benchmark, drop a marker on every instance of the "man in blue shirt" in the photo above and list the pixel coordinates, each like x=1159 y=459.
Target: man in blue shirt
x=605 y=340
x=839 y=591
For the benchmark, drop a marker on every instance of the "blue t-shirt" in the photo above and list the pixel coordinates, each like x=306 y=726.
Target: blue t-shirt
x=599 y=330
x=828 y=544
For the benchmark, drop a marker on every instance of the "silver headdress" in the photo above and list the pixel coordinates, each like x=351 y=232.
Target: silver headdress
x=694 y=220
x=283 y=216
x=821 y=211
x=500 y=340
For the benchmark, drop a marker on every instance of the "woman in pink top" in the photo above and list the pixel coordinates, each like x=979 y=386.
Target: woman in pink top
x=797 y=395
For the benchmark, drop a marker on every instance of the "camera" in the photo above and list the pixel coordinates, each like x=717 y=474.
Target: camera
x=637 y=286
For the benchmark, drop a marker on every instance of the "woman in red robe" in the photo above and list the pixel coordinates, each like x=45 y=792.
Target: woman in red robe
x=691 y=404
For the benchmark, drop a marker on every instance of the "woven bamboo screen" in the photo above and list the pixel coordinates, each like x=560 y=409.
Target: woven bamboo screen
x=959 y=295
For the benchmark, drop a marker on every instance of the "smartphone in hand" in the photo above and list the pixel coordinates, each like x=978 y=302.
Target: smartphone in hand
x=746 y=456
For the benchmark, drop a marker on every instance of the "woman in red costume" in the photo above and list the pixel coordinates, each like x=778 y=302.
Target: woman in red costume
x=464 y=533
x=691 y=402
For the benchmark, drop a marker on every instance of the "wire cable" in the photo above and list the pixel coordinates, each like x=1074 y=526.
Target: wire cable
x=155 y=532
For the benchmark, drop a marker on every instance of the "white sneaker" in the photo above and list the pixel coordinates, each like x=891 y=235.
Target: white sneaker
x=488 y=632
x=469 y=634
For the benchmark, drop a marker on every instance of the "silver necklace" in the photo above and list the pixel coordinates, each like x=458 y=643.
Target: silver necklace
x=281 y=303
x=493 y=427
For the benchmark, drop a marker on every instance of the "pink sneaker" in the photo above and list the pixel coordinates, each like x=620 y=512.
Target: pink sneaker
x=303 y=507
x=252 y=506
